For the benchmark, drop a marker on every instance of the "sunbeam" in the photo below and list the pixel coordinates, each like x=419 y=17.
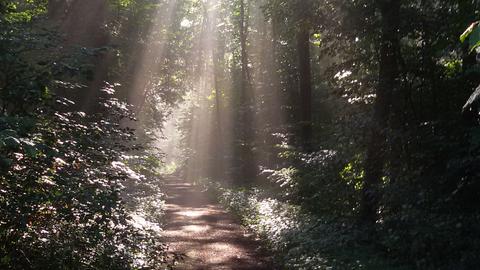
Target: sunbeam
x=151 y=56
x=239 y=134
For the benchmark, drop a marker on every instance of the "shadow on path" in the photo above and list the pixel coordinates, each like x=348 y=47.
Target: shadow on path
x=210 y=238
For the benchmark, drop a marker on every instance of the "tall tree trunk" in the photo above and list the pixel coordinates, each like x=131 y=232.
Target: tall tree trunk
x=387 y=86
x=243 y=48
x=248 y=170
x=219 y=151
x=219 y=168
x=305 y=77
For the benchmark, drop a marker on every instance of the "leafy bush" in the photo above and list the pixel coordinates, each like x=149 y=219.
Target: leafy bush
x=298 y=239
x=61 y=193
x=62 y=171
x=322 y=182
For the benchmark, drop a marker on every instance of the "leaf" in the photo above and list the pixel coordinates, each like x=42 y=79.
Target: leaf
x=5 y=162
x=473 y=35
x=474 y=46
x=30 y=150
x=8 y=133
x=12 y=142
x=467 y=32
x=474 y=38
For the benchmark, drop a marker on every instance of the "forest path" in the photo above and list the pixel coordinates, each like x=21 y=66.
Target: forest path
x=209 y=237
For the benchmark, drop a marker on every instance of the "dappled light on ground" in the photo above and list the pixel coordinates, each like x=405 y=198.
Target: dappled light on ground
x=206 y=234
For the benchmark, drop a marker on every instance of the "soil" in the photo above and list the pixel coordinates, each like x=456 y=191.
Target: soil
x=207 y=235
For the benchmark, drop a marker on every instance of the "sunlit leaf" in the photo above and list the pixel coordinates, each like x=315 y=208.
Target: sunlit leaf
x=468 y=31
x=473 y=35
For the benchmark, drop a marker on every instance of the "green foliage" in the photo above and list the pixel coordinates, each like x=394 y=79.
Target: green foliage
x=353 y=173
x=60 y=194
x=23 y=11
x=123 y=3
x=337 y=197
x=452 y=67
x=473 y=35
x=78 y=190
x=61 y=191
x=62 y=177
x=426 y=212
x=298 y=239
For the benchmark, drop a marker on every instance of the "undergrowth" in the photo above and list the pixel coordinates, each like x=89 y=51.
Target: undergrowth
x=297 y=239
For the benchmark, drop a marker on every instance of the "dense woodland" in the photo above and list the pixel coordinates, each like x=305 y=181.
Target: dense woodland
x=344 y=133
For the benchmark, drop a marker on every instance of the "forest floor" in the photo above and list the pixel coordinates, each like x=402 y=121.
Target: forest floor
x=207 y=235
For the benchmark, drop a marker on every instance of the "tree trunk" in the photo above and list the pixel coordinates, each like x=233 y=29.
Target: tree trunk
x=387 y=86
x=219 y=170
x=248 y=170
x=243 y=48
x=305 y=77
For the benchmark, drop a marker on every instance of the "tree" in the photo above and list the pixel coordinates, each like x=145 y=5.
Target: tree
x=388 y=85
x=244 y=156
x=305 y=81
x=304 y=71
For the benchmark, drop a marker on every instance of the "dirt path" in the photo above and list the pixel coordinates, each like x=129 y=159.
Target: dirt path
x=210 y=238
